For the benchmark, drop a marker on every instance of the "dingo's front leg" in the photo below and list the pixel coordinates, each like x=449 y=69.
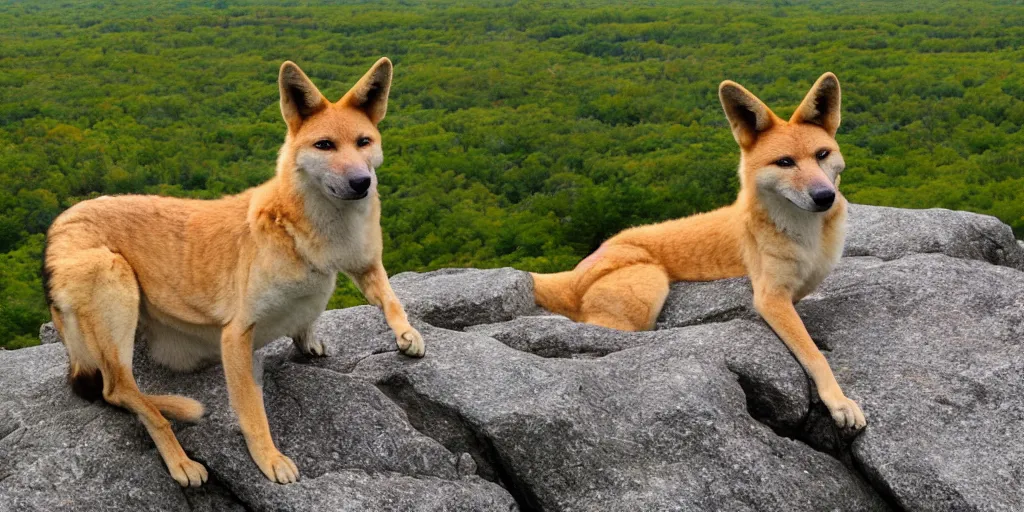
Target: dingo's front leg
x=377 y=290
x=308 y=343
x=247 y=400
x=777 y=309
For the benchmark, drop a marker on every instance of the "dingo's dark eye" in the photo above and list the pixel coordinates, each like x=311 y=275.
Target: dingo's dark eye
x=323 y=145
x=785 y=162
x=363 y=142
x=822 y=154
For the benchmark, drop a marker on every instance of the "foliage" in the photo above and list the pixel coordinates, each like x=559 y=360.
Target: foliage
x=518 y=133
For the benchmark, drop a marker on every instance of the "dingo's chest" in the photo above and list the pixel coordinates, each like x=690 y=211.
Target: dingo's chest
x=798 y=256
x=284 y=308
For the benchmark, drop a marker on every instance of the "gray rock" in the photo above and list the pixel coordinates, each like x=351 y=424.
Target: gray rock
x=776 y=390
x=59 y=452
x=657 y=427
x=890 y=233
x=357 y=491
x=557 y=336
x=709 y=412
x=32 y=386
x=85 y=458
x=934 y=349
x=690 y=303
x=455 y=298
x=930 y=346
x=48 y=334
x=354 y=447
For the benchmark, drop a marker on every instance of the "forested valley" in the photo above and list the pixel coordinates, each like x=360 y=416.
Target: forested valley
x=518 y=133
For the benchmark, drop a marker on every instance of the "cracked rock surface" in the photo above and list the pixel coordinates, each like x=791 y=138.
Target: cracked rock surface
x=513 y=408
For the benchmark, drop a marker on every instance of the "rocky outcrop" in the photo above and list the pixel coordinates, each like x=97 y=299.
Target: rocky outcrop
x=890 y=233
x=922 y=322
x=355 y=447
x=455 y=298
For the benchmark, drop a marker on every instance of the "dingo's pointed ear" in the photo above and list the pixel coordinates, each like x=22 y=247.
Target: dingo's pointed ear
x=821 y=105
x=299 y=97
x=748 y=116
x=370 y=94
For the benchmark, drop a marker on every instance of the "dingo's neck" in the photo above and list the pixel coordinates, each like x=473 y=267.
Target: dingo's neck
x=324 y=230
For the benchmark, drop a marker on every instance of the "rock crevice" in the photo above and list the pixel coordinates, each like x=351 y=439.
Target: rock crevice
x=451 y=430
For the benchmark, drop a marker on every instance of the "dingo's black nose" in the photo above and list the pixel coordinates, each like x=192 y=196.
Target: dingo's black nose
x=360 y=184
x=823 y=198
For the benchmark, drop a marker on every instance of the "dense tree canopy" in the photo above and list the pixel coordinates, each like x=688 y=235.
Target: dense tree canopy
x=519 y=133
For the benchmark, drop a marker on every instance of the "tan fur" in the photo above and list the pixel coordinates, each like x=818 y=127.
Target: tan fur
x=215 y=280
x=772 y=233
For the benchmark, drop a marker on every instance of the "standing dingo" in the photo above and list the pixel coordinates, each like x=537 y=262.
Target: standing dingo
x=209 y=280
x=785 y=230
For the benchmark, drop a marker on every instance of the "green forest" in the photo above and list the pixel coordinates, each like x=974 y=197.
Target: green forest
x=518 y=133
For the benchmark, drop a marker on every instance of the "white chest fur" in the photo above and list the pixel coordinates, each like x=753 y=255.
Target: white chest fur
x=283 y=305
x=286 y=307
x=810 y=247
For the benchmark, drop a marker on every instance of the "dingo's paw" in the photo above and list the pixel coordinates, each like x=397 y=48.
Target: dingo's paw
x=310 y=346
x=279 y=468
x=188 y=473
x=846 y=413
x=410 y=343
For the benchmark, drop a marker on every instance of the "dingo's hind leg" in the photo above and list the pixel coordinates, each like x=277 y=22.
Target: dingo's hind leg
x=627 y=299
x=98 y=305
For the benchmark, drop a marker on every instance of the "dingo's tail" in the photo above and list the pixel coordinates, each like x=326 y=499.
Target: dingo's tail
x=88 y=381
x=556 y=293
